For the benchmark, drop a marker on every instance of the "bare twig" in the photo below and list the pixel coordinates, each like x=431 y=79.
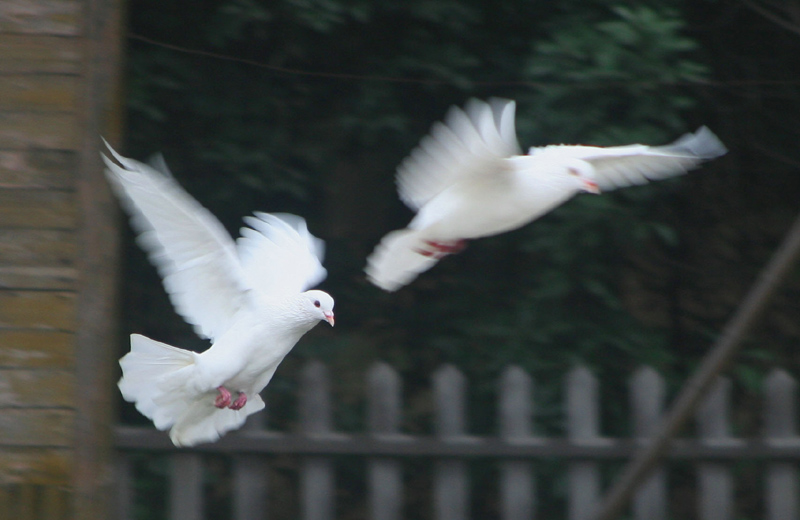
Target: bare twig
x=772 y=17
x=726 y=346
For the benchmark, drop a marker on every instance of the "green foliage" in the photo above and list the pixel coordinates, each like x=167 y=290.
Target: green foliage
x=246 y=138
x=348 y=88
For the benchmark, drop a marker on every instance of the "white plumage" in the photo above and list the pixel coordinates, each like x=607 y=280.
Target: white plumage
x=246 y=297
x=467 y=180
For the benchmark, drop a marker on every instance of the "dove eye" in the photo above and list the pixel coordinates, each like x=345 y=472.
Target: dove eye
x=316 y=303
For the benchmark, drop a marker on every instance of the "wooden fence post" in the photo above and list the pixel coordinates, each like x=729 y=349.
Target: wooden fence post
x=385 y=475
x=186 y=486
x=716 y=482
x=583 y=426
x=781 y=493
x=250 y=483
x=125 y=496
x=518 y=483
x=451 y=482
x=315 y=417
x=647 y=403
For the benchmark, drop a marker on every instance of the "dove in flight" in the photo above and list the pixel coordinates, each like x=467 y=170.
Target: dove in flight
x=467 y=179
x=248 y=297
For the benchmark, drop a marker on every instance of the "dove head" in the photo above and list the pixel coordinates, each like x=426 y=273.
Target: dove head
x=581 y=175
x=319 y=304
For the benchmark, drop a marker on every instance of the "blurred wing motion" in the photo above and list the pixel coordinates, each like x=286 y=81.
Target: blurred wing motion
x=470 y=142
x=621 y=166
x=192 y=251
x=278 y=254
x=466 y=180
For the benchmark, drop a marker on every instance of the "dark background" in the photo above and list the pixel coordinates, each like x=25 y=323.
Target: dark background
x=307 y=106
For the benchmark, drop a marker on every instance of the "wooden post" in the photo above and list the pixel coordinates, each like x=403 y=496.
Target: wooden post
x=583 y=426
x=647 y=394
x=315 y=417
x=125 y=496
x=98 y=259
x=517 y=481
x=782 y=492
x=715 y=480
x=250 y=483
x=385 y=475
x=186 y=486
x=451 y=483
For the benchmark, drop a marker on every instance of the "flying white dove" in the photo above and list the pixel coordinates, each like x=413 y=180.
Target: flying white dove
x=246 y=297
x=467 y=179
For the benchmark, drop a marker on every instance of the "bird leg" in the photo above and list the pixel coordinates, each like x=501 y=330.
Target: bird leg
x=223 y=400
x=439 y=250
x=241 y=400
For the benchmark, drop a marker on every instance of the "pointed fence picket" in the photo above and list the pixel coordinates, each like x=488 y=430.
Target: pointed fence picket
x=780 y=426
x=647 y=392
x=516 y=449
x=517 y=481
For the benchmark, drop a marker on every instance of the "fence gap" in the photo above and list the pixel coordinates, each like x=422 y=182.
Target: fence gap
x=583 y=427
x=385 y=475
x=317 y=484
x=782 y=492
x=451 y=482
x=517 y=481
x=647 y=392
x=715 y=480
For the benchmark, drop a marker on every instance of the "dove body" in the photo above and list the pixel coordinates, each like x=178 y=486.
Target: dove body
x=248 y=297
x=468 y=179
x=523 y=189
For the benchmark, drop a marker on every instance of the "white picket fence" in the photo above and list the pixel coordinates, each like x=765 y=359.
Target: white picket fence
x=516 y=450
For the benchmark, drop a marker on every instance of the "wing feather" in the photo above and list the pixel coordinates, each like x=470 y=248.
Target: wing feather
x=620 y=166
x=471 y=142
x=192 y=251
x=279 y=256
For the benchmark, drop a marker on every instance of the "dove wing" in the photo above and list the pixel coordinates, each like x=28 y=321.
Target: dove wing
x=192 y=251
x=278 y=254
x=470 y=142
x=621 y=166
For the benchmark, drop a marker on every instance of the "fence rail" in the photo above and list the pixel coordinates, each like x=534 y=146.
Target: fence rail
x=515 y=448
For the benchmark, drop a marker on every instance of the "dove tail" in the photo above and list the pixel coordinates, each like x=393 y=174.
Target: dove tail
x=400 y=257
x=158 y=378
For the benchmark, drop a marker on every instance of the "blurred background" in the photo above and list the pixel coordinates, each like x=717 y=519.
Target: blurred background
x=307 y=106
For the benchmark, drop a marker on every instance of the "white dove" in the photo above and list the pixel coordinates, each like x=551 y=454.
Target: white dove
x=246 y=297
x=467 y=180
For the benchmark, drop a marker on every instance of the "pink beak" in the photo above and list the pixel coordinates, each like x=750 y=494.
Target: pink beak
x=591 y=186
x=329 y=318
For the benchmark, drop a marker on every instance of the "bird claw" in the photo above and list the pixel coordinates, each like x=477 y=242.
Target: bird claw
x=240 y=401
x=439 y=250
x=223 y=400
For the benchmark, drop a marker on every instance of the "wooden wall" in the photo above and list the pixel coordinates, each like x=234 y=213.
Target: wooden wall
x=58 y=63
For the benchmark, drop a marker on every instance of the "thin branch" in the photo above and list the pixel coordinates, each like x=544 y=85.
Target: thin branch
x=723 y=351
x=431 y=81
x=772 y=17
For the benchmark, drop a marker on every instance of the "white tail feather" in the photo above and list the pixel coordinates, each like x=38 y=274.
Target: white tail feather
x=158 y=378
x=396 y=260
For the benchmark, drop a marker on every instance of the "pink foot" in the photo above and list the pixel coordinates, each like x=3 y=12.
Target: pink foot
x=223 y=399
x=439 y=250
x=240 y=401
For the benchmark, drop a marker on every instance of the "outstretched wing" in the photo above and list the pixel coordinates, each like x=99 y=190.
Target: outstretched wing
x=278 y=254
x=620 y=166
x=192 y=251
x=473 y=141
